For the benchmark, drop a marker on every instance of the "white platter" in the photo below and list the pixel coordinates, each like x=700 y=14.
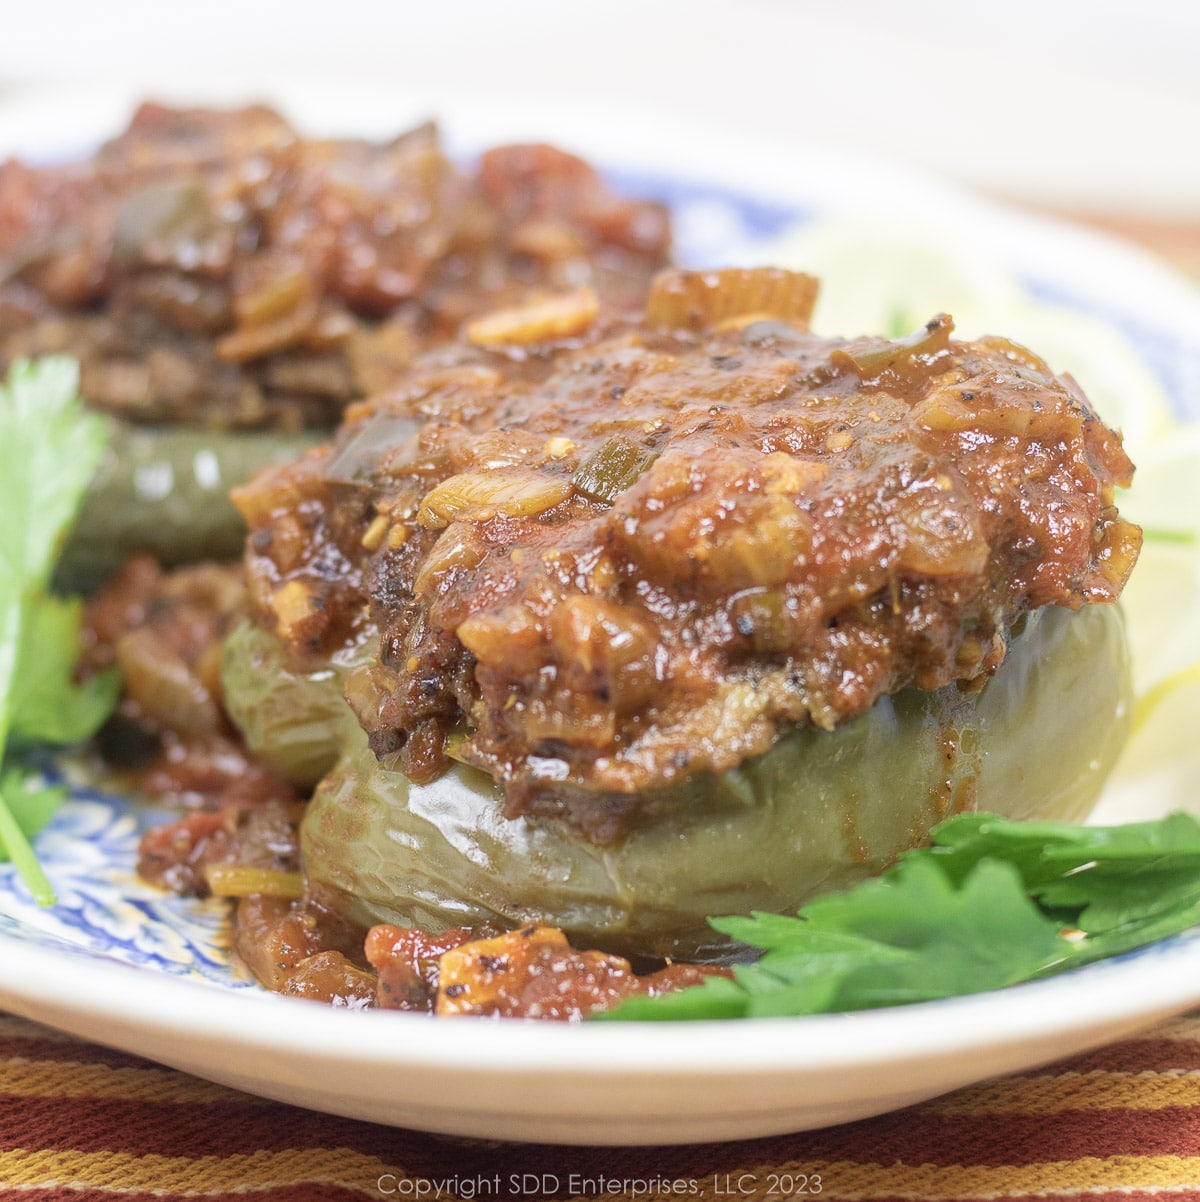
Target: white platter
x=117 y=963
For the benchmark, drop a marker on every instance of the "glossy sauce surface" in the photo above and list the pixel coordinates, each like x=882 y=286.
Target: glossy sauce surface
x=606 y=560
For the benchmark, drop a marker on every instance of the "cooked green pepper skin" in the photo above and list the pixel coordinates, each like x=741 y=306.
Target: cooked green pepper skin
x=297 y=722
x=817 y=812
x=165 y=492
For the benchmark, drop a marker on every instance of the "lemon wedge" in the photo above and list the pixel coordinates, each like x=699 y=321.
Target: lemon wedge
x=1162 y=599
x=889 y=275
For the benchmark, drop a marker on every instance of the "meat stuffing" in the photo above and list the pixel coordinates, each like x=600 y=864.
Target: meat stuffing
x=606 y=556
x=216 y=268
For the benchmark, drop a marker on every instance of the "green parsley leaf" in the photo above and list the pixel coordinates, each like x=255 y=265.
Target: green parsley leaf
x=47 y=705
x=1160 y=534
x=991 y=903
x=49 y=450
x=1117 y=884
x=30 y=801
x=27 y=805
x=50 y=447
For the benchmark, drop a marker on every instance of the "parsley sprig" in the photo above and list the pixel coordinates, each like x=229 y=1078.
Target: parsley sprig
x=991 y=903
x=50 y=447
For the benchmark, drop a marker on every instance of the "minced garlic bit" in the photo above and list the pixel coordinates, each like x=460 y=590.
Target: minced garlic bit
x=541 y=321
x=372 y=540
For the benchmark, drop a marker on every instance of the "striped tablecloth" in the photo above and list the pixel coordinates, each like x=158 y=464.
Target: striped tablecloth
x=83 y=1123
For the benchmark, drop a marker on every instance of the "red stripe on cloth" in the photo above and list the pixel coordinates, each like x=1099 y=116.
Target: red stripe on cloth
x=1160 y=1193
x=1136 y=1056
x=60 y=1051
x=226 y=1129
x=909 y=1137
x=281 y=1193
x=231 y=1128
x=917 y=1137
x=156 y=1128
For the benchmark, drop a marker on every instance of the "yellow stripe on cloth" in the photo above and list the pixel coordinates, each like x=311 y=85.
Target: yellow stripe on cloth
x=73 y=1079
x=194 y=1177
x=1058 y=1093
x=843 y=1181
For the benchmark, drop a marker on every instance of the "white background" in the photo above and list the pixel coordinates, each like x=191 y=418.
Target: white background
x=1088 y=104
